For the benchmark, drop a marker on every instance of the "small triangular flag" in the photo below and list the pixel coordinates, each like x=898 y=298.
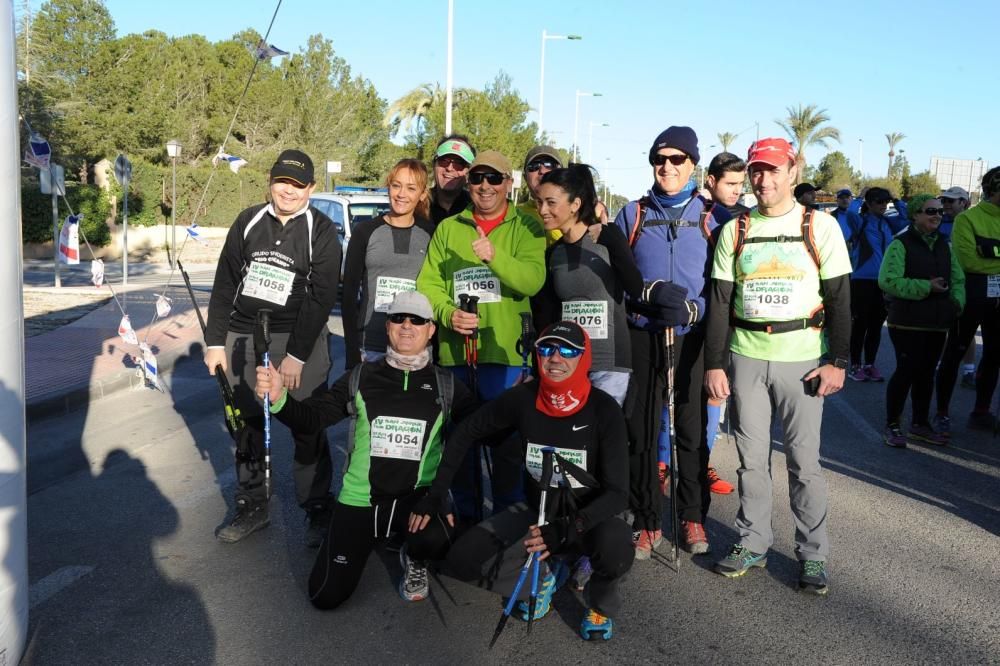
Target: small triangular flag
x=162 y=306
x=126 y=332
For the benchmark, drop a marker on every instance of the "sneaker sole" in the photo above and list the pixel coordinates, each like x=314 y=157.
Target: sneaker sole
x=917 y=439
x=724 y=490
x=698 y=548
x=901 y=445
x=228 y=539
x=596 y=634
x=401 y=589
x=728 y=573
x=643 y=554
x=816 y=590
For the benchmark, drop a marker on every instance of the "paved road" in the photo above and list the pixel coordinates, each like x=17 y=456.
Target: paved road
x=124 y=499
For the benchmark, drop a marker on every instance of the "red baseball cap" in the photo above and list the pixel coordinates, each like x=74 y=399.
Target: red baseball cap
x=773 y=151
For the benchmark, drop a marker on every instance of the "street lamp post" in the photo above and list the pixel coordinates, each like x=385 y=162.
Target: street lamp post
x=590 y=138
x=576 y=122
x=861 y=157
x=173 y=151
x=541 y=78
x=448 y=74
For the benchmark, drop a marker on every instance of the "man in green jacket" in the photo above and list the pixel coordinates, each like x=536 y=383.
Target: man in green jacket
x=975 y=241
x=493 y=253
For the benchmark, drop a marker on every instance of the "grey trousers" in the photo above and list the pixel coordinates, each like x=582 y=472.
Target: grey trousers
x=312 y=468
x=760 y=388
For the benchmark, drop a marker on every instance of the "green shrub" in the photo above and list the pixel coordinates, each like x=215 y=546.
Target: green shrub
x=89 y=200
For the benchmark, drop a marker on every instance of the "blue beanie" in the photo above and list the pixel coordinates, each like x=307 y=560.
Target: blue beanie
x=679 y=137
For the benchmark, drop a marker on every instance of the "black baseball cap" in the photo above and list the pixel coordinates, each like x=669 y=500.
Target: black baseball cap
x=804 y=188
x=295 y=166
x=568 y=332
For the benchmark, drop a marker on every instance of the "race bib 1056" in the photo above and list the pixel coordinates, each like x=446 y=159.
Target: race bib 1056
x=477 y=281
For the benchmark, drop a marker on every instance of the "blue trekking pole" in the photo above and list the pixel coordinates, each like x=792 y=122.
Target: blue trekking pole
x=532 y=563
x=525 y=344
x=262 y=345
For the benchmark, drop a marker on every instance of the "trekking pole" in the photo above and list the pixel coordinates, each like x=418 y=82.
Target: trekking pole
x=234 y=418
x=469 y=303
x=532 y=562
x=668 y=339
x=262 y=345
x=524 y=345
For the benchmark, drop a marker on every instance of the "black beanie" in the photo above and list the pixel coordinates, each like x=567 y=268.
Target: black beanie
x=679 y=137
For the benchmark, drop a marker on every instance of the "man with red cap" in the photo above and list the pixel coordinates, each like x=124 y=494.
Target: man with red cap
x=584 y=428
x=780 y=276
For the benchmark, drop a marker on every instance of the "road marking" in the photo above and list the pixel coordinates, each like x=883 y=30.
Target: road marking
x=54 y=583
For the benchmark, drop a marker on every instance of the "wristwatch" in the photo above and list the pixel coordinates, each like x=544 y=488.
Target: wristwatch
x=841 y=363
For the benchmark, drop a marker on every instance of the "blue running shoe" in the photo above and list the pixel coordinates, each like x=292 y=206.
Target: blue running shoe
x=596 y=626
x=554 y=579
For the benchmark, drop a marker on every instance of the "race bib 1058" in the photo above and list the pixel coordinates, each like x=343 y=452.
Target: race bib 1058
x=268 y=283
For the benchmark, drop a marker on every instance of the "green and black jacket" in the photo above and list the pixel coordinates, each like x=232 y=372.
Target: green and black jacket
x=383 y=391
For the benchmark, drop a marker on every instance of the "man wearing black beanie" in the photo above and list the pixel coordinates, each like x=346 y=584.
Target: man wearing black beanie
x=668 y=230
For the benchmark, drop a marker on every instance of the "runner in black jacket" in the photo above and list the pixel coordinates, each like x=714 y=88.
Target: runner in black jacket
x=587 y=428
x=283 y=256
x=394 y=445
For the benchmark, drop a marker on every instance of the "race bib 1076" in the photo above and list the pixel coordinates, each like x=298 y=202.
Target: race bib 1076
x=592 y=316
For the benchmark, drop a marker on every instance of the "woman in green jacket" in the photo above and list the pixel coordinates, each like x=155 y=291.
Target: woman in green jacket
x=925 y=287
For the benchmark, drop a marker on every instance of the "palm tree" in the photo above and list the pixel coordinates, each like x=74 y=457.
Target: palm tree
x=410 y=110
x=803 y=126
x=725 y=140
x=893 y=138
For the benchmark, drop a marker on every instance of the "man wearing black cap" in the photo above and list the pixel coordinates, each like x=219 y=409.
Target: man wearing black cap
x=669 y=231
x=805 y=194
x=282 y=256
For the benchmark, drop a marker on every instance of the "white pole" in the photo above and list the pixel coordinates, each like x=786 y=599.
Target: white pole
x=173 y=215
x=451 y=62
x=541 y=91
x=125 y=235
x=576 y=128
x=13 y=493
x=590 y=142
x=55 y=222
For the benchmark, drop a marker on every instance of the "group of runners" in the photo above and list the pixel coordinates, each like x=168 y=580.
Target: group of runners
x=513 y=372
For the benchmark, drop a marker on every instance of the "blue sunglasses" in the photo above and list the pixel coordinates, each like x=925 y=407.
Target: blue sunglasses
x=546 y=350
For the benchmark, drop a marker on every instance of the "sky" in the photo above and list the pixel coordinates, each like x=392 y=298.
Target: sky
x=926 y=69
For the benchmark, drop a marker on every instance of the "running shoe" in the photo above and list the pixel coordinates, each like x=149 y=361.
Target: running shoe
x=414 y=585
x=981 y=421
x=925 y=434
x=894 y=436
x=695 y=539
x=739 y=561
x=646 y=542
x=319 y=515
x=858 y=374
x=812 y=577
x=873 y=374
x=664 y=476
x=596 y=626
x=556 y=576
x=717 y=484
x=942 y=426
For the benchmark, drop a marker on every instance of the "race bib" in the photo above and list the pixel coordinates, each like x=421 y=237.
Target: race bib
x=993 y=286
x=533 y=463
x=396 y=437
x=770 y=298
x=386 y=289
x=592 y=316
x=268 y=283
x=477 y=281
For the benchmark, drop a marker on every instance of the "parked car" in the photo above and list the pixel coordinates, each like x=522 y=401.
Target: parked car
x=348 y=206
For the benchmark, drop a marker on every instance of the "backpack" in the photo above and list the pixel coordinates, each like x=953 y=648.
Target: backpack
x=446 y=394
x=807 y=238
x=640 y=222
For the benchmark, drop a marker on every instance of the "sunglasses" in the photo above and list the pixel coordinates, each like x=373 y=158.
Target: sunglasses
x=546 y=350
x=676 y=160
x=933 y=211
x=400 y=317
x=493 y=178
x=547 y=164
x=456 y=163
x=948 y=200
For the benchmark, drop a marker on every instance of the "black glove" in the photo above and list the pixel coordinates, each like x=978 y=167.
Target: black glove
x=429 y=505
x=671 y=304
x=559 y=533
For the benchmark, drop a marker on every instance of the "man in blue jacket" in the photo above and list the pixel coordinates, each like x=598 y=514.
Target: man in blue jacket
x=669 y=230
x=848 y=219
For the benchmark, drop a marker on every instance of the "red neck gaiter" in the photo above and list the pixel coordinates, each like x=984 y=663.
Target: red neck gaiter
x=565 y=398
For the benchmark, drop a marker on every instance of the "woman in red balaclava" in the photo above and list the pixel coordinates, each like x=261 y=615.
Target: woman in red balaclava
x=586 y=428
